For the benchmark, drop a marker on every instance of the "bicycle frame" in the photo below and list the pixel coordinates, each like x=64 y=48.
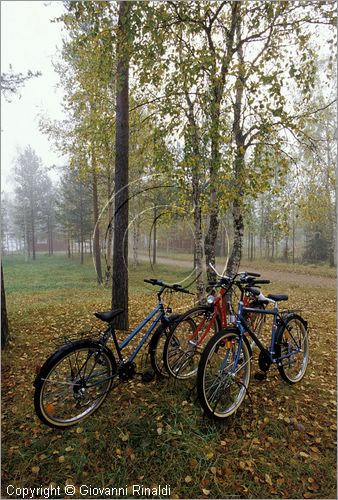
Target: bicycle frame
x=220 y=307
x=158 y=311
x=243 y=327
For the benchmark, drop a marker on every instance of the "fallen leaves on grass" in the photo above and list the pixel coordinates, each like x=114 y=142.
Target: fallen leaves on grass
x=280 y=428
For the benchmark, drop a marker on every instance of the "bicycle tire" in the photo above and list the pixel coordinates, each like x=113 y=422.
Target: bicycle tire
x=179 y=349
x=156 y=346
x=216 y=379
x=73 y=360
x=292 y=336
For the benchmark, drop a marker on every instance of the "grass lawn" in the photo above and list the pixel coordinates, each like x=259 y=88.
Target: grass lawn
x=280 y=444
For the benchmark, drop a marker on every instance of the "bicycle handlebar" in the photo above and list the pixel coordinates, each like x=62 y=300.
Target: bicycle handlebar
x=176 y=287
x=249 y=273
x=250 y=280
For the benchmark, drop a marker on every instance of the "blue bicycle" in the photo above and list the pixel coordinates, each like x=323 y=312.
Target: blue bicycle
x=224 y=370
x=75 y=380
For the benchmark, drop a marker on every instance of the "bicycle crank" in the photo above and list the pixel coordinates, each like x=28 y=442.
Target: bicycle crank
x=127 y=371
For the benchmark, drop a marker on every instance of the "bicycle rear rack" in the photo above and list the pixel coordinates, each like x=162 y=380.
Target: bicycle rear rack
x=68 y=338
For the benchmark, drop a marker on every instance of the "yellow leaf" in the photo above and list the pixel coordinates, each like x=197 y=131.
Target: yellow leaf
x=314 y=449
x=35 y=469
x=124 y=436
x=61 y=459
x=206 y=492
x=79 y=430
x=210 y=455
x=159 y=430
x=188 y=479
x=69 y=448
x=303 y=454
x=268 y=479
x=213 y=470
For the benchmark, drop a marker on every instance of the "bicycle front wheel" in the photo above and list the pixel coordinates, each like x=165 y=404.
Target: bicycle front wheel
x=157 y=343
x=292 y=347
x=187 y=340
x=73 y=383
x=223 y=374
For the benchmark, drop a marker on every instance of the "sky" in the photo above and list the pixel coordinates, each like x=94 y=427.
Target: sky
x=29 y=41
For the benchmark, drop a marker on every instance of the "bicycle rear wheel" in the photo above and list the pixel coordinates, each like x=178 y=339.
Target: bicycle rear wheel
x=293 y=347
x=187 y=340
x=73 y=383
x=223 y=374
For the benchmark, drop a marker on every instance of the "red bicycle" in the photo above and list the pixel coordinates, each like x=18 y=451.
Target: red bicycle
x=188 y=337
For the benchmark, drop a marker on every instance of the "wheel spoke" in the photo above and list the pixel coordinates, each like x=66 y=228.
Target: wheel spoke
x=223 y=375
x=64 y=395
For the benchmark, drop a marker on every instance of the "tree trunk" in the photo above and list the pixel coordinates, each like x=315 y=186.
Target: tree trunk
x=209 y=243
x=96 y=238
x=267 y=247
x=81 y=251
x=198 y=247
x=236 y=254
x=239 y=167
x=4 y=319
x=192 y=136
x=222 y=252
x=154 y=236
x=286 y=249
x=120 y=256
x=272 y=248
x=33 y=233
x=211 y=236
x=49 y=235
x=136 y=237
x=51 y=240
x=293 y=237
x=333 y=236
x=249 y=242
x=216 y=92
x=81 y=238
x=252 y=253
x=109 y=234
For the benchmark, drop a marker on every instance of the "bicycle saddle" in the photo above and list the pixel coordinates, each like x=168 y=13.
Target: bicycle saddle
x=108 y=316
x=278 y=297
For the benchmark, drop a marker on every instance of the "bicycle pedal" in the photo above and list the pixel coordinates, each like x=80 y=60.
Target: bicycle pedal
x=148 y=376
x=260 y=376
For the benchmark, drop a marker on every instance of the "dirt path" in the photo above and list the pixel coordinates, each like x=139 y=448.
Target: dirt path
x=274 y=275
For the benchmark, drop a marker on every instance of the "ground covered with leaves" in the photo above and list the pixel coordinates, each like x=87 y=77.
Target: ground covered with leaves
x=280 y=444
